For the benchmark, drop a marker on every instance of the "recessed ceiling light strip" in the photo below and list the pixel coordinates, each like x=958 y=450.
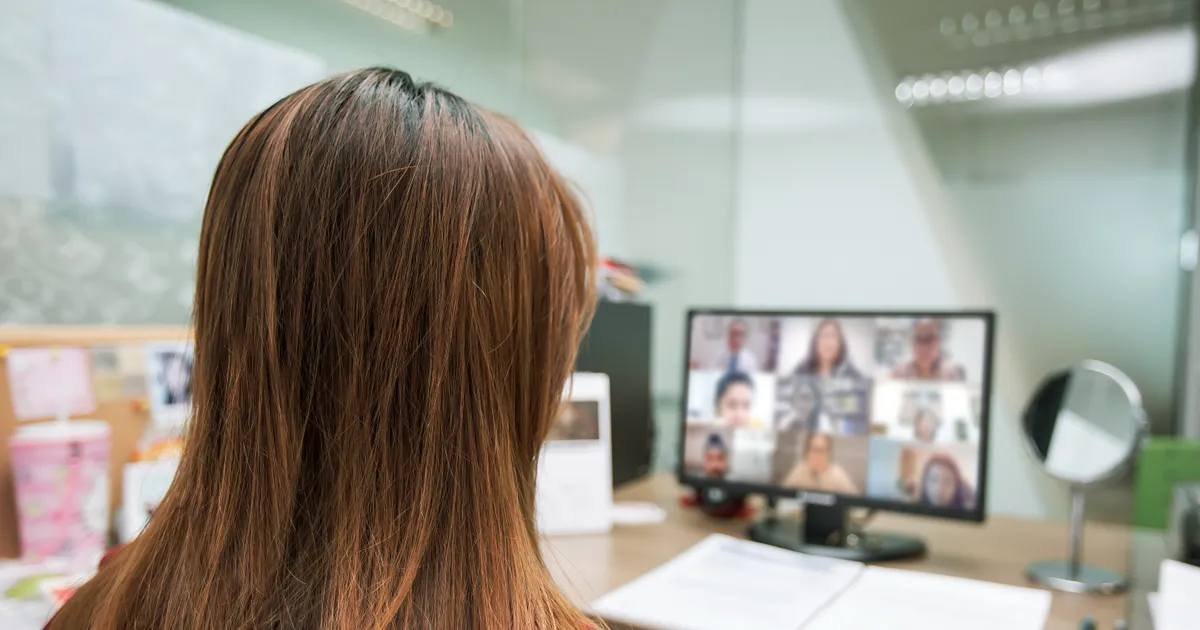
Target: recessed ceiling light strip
x=958 y=87
x=1048 y=18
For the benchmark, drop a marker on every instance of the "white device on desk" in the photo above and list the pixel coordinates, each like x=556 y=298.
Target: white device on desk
x=574 y=478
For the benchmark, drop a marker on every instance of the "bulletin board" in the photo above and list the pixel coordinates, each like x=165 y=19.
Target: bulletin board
x=128 y=418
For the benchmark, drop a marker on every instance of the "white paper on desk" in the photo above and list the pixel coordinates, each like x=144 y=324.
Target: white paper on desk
x=724 y=583
x=1178 y=596
x=891 y=599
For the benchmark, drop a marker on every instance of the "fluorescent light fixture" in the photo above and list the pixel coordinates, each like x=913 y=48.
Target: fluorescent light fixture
x=1135 y=67
x=1159 y=62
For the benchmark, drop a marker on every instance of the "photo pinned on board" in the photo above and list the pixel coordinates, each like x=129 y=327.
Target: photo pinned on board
x=169 y=382
x=578 y=420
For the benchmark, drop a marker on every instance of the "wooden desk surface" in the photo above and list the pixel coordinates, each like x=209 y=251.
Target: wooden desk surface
x=586 y=567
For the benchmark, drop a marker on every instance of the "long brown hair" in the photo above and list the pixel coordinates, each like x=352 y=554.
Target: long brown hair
x=391 y=289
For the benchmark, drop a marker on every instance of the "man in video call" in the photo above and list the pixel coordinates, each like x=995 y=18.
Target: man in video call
x=736 y=357
x=927 y=363
x=716 y=457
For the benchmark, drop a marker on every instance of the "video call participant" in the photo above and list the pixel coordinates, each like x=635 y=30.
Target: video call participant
x=735 y=400
x=716 y=457
x=817 y=470
x=802 y=411
x=928 y=363
x=942 y=484
x=827 y=353
x=736 y=357
x=925 y=426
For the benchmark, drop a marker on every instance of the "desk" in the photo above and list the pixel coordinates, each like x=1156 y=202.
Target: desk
x=586 y=567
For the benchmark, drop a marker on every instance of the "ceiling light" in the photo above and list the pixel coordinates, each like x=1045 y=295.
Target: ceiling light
x=1041 y=11
x=1012 y=82
x=1144 y=65
x=969 y=23
x=1139 y=66
x=418 y=16
x=920 y=90
x=1016 y=16
x=974 y=85
x=937 y=89
x=956 y=86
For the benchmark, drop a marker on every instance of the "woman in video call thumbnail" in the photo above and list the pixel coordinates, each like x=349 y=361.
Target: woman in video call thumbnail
x=928 y=361
x=942 y=484
x=735 y=400
x=925 y=426
x=827 y=353
x=817 y=470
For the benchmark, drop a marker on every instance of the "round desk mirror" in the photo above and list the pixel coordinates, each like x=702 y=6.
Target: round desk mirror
x=1083 y=425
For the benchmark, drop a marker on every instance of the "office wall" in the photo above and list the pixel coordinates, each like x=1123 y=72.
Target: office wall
x=632 y=100
x=115 y=114
x=105 y=169
x=481 y=57
x=1077 y=216
x=477 y=57
x=841 y=205
x=650 y=85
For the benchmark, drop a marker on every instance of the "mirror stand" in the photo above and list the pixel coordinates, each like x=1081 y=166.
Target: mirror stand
x=1072 y=575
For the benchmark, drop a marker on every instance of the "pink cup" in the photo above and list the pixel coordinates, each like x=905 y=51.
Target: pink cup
x=61 y=472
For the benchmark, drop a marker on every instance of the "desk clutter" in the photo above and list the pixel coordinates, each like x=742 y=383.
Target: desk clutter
x=1175 y=606
x=92 y=421
x=61 y=468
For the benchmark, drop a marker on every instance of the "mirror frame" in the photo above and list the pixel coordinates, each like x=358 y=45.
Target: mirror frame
x=1141 y=428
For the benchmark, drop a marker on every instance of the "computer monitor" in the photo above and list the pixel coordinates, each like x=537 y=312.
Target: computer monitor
x=883 y=410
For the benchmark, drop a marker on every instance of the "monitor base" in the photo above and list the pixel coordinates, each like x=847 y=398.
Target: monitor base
x=1060 y=575
x=818 y=539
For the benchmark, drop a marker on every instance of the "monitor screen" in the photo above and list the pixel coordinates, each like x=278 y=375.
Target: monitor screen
x=883 y=410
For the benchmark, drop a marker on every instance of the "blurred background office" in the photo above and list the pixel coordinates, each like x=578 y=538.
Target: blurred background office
x=1032 y=156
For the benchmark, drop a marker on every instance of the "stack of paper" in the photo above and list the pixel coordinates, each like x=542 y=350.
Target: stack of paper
x=1176 y=607
x=890 y=599
x=725 y=583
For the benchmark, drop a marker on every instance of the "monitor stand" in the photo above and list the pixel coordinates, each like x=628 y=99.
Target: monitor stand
x=826 y=531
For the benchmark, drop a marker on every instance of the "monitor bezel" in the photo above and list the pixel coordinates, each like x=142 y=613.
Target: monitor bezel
x=977 y=515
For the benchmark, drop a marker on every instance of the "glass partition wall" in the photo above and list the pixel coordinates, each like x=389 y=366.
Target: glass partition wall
x=1057 y=135
x=1022 y=155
